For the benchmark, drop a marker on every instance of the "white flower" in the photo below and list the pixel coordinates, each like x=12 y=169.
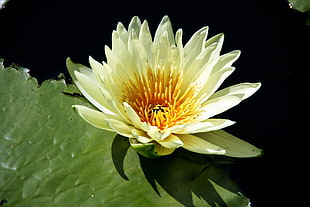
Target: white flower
x=161 y=94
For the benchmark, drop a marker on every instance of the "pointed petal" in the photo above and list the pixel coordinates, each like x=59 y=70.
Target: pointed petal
x=92 y=116
x=152 y=131
x=194 y=46
x=160 y=150
x=164 y=26
x=71 y=66
x=90 y=88
x=119 y=49
x=93 y=94
x=199 y=145
x=218 y=41
x=134 y=25
x=244 y=89
x=98 y=69
x=233 y=146
x=138 y=53
x=171 y=142
x=210 y=85
x=141 y=136
x=205 y=126
x=226 y=60
x=164 y=53
x=218 y=105
x=180 y=49
x=145 y=38
x=133 y=116
x=122 y=32
x=120 y=127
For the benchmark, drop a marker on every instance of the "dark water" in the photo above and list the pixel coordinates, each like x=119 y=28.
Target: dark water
x=274 y=42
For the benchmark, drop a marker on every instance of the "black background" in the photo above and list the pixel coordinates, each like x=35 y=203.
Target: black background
x=274 y=42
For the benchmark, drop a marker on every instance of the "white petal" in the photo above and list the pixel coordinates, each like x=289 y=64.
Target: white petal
x=120 y=56
x=210 y=85
x=139 y=55
x=178 y=40
x=134 y=25
x=164 y=53
x=91 y=90
x=218 y=105
x=98 y=69
x=120 y=127
x=92 y=116
x=244 y=89
x=194 y=46
x=80 y=68
x=201 y=66
x=199 y=145
x=233 y=146
x=171 y=142
x=141 y=136
x=154 y=132
x=133 y=116
x=145 y=38
x=122 y=32
x=164 y=26
x=205 y=126
x=216 y=40
x=226 y=60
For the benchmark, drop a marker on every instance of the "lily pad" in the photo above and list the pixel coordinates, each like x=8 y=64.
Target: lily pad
x=49 y=156
x=302 y=6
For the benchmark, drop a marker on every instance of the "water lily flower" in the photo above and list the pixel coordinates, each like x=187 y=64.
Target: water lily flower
x=163 y=95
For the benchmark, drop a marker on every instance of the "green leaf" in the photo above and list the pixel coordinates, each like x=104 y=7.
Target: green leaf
x=300 y=5
x=49 y=156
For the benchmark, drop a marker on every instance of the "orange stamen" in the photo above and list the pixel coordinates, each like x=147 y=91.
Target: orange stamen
x=159 y=100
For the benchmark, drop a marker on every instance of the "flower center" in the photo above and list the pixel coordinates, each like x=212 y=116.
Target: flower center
x=158 y=98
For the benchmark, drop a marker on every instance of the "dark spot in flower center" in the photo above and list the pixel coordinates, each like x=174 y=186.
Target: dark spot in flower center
x=154 y=109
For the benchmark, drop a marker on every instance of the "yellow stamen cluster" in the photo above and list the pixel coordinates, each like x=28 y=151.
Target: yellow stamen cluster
x=158 y=99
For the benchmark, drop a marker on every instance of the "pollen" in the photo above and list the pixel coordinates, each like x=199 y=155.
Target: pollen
x=160 y=99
